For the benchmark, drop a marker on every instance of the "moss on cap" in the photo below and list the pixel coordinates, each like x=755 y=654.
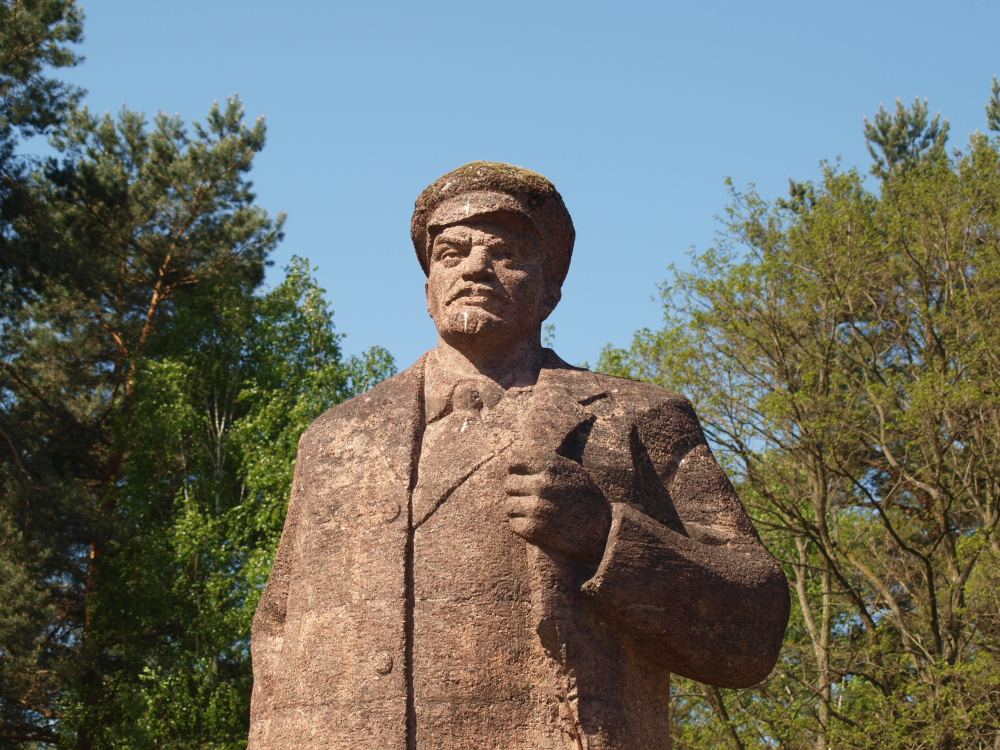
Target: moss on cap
x=536 y=195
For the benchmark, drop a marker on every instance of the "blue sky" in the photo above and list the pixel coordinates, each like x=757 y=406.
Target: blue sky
x=637 y=111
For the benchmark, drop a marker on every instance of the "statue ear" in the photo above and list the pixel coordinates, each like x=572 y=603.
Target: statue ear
x=427 y=294
x=553 y=293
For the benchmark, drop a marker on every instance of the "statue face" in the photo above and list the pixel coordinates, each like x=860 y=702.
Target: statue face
x=486 y=281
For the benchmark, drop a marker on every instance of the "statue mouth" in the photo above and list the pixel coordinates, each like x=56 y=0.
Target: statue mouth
x=478 y=295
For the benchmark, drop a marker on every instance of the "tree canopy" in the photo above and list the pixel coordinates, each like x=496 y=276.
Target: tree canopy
x=34 y=38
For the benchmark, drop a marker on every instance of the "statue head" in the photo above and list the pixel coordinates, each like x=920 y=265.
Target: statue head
x=495 y=242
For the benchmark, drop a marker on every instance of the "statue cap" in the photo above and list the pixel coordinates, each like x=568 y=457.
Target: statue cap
x=481 y=188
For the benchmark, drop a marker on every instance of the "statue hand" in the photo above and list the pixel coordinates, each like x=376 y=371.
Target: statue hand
x=552 y=502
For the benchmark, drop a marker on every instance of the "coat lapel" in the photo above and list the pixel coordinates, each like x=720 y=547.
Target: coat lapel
x=560 y=407
x=393 y=415
x=558 y=410
x=462 y=444
x=443 y=473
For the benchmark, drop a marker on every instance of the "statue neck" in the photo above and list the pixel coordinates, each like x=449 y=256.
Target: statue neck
x=515 y=366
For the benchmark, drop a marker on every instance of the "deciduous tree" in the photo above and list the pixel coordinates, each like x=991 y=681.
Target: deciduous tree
x=839 y=347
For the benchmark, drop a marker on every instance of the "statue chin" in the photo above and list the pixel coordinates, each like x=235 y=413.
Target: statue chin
x=469 y=321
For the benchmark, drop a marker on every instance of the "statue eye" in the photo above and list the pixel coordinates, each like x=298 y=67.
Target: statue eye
x=449 y=252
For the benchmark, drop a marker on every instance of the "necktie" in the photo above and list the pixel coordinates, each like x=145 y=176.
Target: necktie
x=467 y=397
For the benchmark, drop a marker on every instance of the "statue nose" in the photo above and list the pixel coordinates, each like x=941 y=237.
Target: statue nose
x=479 y=264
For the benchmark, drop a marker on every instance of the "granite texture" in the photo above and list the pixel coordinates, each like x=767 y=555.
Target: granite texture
x=495 y=549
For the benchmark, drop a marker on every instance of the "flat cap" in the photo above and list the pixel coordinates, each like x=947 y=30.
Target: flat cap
x=484 y=187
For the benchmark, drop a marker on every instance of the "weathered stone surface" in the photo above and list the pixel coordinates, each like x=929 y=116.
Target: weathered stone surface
x=494 y=549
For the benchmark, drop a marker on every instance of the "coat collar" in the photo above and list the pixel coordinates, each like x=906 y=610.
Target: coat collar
x=404 y=393
x=562 y=393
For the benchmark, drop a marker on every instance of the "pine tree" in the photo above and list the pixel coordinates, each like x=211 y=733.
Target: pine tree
x=34 y=37
x=904 y=138
x=151 y=401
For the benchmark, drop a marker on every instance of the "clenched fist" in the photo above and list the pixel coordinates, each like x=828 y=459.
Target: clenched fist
x=552 y=502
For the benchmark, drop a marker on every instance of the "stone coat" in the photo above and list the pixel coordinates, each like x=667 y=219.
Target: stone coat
x=684 y=586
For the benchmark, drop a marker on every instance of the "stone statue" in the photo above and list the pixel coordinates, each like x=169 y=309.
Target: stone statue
x=495 y=549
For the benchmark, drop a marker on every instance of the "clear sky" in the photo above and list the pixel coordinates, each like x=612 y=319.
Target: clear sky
x=636 y=110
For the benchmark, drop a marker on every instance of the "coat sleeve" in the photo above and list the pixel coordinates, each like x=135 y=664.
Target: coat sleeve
x=701 y=593
x=267 y=634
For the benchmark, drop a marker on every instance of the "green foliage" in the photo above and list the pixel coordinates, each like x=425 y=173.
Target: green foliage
x=119 y=237
x=993 y=108
x=801 y=197
x=151 y=400
x=201 y=507
x=150 y=403
x=839 y=351
x=34 y=35
x=904 y=138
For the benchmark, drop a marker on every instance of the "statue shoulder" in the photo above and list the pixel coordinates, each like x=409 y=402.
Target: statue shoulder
x=640 y=396
x=664 y=421
x=383 y=403
x=639 y=400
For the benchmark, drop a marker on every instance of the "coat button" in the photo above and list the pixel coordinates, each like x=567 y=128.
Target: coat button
x=383 y=663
